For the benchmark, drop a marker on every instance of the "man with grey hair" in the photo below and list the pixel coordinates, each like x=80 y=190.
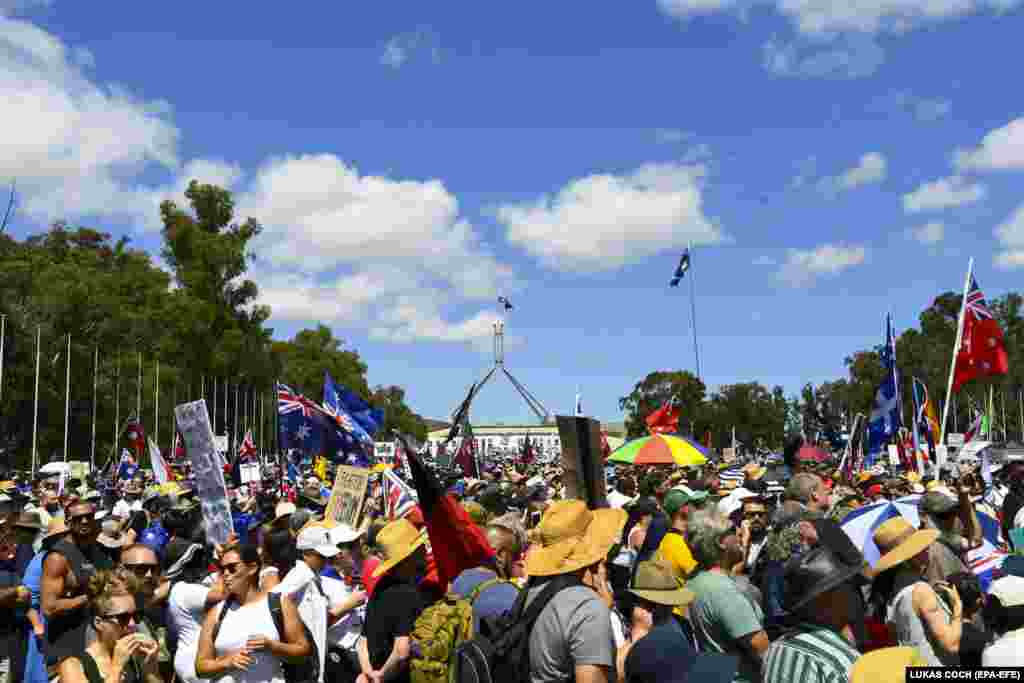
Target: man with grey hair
x=960 y=530
x=724 y=618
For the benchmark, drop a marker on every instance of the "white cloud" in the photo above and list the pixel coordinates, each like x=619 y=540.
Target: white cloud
x=943 y=193
x=929 y=233
x=847 y=56
x=402 y=48
x=1001 y=149
x=1010 y=234
x=71 y=144
x=802 y=267
x=602 y=222
x=871 y=168
x=337 y=246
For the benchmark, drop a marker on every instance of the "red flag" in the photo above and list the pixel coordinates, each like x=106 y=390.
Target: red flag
x=466 y=458
x=982 y=351
x=136 y=436
x=606 y=449
x=664 y=420
x=707 y=439
x=247 y=449
x=457 y=542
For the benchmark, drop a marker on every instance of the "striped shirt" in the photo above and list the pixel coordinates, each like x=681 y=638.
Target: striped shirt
x=810 y=654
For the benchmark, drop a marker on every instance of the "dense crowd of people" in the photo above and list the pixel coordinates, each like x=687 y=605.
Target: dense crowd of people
x=748 y=572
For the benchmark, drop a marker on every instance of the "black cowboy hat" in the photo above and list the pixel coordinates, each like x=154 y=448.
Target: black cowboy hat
x=813 y=573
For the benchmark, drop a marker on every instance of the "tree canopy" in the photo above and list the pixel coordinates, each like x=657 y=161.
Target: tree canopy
x=199 y=322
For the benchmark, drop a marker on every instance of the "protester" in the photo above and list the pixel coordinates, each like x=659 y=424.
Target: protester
x=185 y=567
x=914 y=611
x=1007 y=617
x=724 y=618
x=821 y=597
x=72 y=560
x=490 y=588
x=240 y=641
x=118 y=653
x=385 y=645
x=572 y=638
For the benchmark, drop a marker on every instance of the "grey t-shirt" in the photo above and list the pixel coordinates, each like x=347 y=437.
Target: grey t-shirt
x=574 y=629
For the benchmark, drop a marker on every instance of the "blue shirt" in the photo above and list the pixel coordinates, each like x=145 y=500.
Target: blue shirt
x=492 y=601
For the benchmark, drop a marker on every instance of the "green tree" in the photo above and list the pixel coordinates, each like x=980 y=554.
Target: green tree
x=655 y=390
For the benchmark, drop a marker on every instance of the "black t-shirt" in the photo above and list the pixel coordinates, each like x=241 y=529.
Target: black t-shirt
x=391 y=613
x=66 y=634
x=972 y=641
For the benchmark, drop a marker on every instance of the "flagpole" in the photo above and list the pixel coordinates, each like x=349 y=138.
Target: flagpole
x=67 y=399
x=35 y=410
x=693 y=312
x=956 y=350
x=226 y=390
x=138 y=391
x=156 y=404
x=174 y=422
x=117 y=402
x=3 y=333
x=1002 y=402
x=95 y=386
x=234 y=427
x=215 y=404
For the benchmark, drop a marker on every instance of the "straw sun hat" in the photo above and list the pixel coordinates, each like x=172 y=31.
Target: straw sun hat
x=887 y=665
x=656 y=582
x=573 y=537
x=898 y=542
x=397 y=541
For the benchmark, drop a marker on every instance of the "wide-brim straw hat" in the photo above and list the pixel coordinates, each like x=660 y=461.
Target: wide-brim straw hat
x=397 y=541
x=887 y=665
x=898 y=542
x=656 y=582
x=56 y=530
x=573 y=537
x=111 y=541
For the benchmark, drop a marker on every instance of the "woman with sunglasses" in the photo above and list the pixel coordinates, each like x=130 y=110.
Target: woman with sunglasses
x=119 y=654
x=240 y=642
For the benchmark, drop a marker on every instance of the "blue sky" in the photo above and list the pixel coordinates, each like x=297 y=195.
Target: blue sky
x=831 y=161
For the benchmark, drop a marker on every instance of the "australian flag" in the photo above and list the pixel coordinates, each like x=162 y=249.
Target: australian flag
x=885 y=421
x=684 y=265
x=309 y=428
x=351 y=412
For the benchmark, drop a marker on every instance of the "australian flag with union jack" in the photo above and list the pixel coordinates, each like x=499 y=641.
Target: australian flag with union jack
x=305 y=426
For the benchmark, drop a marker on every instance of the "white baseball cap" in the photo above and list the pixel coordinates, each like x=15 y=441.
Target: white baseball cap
x=343 y=533
x=318 y=539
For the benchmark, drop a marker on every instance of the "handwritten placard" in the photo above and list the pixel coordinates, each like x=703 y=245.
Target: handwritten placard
x=194 y=425
x=346 y=501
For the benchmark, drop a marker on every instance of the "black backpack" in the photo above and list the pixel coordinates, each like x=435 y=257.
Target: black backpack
x=306 y=672
x=501 y=651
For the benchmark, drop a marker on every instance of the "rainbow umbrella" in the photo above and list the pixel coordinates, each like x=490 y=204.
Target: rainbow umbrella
x=660 y=449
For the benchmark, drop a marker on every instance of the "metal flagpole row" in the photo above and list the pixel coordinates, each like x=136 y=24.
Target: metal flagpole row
x=956 y=350
x=67 y=399
x=95 y=386
x=156 y=404
x=35 y=409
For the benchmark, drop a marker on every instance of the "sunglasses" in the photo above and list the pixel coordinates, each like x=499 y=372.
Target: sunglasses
x=231 y=567
x=82 y=519
x=143 y=569
x=123 y=619
x=756 y=513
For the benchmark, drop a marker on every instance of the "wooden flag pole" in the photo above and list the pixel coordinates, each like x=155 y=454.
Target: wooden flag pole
x=138 y=392
x=117 y=402
x=956 y=351
x=156 y=404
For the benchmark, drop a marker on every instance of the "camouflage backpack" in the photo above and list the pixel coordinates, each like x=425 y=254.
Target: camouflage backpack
x=438 y=631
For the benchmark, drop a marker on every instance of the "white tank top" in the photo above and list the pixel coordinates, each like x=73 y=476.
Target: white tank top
x=240 y=623
x=910 y=630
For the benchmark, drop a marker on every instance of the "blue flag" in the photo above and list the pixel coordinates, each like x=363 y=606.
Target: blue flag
x=885 y=419
x=310 y=429
x=351 y=411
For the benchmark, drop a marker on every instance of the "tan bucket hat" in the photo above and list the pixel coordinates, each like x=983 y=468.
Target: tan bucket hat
x=898 y=542
x=397 y=541
x=56 y=529
x=656 y=582
x=573 y=537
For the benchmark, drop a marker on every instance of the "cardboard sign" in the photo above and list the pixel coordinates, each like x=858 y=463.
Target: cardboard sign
x=194 y=424
x=347 y=496
x=728 y=454
x=249 y=472
x=955 y=440
x=582 y=460
x=220 y=443
x=941 y=455
x=894 y=456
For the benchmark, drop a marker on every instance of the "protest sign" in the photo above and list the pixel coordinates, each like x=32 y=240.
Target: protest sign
x=582 y=460
x=728 y=454
x=194 y=424
x=220 y=443
x=894 y=456
x=347 y=496
x=249 y=472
